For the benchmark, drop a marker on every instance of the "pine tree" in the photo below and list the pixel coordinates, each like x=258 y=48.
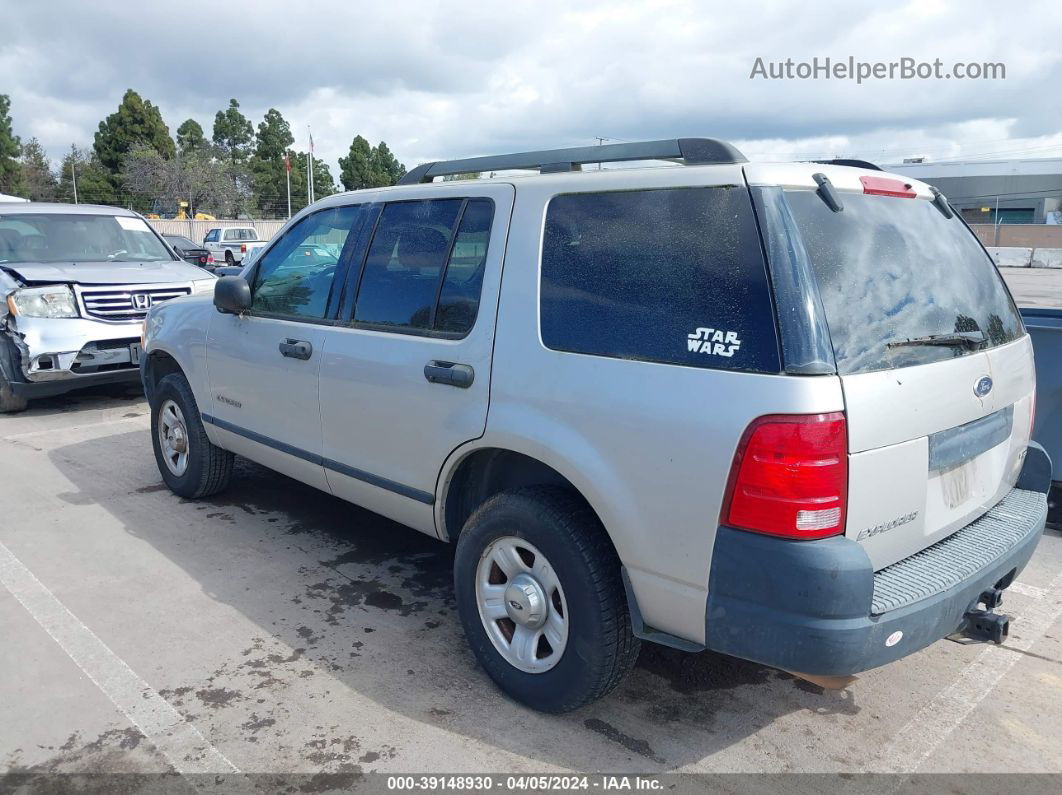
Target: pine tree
x=136 y=121
x=10 y=148
x=190 y=137
x=40 y=182
x=233 y=133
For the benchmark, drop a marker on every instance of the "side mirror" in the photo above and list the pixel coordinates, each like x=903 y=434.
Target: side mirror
x=232 y=295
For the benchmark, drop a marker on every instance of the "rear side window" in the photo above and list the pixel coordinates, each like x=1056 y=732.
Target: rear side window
x=891 y=270
x=674 y=276
x=424 y=268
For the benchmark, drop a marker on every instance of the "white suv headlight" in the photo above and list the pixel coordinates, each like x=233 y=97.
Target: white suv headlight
x=55 y=301
x=203 y=286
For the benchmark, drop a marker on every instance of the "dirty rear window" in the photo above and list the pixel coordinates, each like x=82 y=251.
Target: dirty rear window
x=891 y=269
x=672 y=275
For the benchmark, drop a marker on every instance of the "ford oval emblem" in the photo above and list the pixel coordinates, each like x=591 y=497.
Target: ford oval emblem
x=983 y=386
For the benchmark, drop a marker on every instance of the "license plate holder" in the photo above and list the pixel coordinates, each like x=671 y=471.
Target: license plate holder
x=134 y=353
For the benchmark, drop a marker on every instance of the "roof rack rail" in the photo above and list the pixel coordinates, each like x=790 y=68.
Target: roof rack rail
x=842 y=161
x=689 y=151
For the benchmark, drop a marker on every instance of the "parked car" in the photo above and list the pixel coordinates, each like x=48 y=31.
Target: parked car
x=1045 y=328
x=780 y=411
x=230 y=243
x=76 y=283
x=190 y=252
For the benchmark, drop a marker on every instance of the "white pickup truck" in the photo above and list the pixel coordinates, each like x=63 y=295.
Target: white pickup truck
x=230 y=243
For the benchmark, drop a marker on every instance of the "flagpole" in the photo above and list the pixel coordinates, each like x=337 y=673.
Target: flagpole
x=287 y=173
x=309 y=173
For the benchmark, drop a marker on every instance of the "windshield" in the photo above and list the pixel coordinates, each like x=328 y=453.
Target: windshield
x=892 y=272
x=26 y=237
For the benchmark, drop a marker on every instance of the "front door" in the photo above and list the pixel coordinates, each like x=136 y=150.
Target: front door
x=405 y=380
x=264 y=366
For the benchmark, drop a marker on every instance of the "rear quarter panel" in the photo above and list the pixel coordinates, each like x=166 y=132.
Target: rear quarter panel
x=649 y=445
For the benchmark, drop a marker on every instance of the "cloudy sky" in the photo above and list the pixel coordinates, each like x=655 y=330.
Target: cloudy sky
x=457 y=78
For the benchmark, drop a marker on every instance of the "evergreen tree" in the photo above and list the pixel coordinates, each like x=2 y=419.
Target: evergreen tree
x=10 y=148
x=94 y=182
x=268 y=172
x=37 y=176
x=190 y=137
x=369 y=167
x=386 y=166
x=135 y=122
x=233 y=133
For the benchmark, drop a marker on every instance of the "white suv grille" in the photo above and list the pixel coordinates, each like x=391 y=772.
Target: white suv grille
x=124 y=303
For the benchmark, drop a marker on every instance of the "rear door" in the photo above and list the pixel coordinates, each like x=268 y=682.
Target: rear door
x=406 y=379
x=937 y=432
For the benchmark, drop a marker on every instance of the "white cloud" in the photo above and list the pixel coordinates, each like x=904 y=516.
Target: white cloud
x=450 y=79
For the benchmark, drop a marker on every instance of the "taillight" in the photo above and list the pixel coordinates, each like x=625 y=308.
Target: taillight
x=202 y=259
x=243 y=248
x=883 y=186
x=790 y=476
x=210 y=259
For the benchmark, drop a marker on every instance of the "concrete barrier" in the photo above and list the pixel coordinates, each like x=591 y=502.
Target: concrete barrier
x=1047 y=258
x=1011 y=257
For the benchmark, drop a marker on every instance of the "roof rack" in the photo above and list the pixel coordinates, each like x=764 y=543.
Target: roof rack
x=841 y=161
x=688 y=151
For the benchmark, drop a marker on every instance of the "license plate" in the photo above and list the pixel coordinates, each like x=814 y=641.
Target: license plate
x=134 y=353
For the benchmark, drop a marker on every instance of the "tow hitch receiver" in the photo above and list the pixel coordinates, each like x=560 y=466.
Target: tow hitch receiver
x=984 y=625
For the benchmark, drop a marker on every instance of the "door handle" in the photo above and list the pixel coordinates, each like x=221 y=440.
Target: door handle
x=459 y=375
x=296 y=349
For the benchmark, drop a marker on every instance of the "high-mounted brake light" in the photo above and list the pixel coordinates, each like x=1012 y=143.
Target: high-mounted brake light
x=790 y=476
x=883 y=186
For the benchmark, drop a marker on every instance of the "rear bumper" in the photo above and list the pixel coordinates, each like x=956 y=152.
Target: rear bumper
x=809 y=607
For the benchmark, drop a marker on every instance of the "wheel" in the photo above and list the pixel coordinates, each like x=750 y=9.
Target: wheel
x=229 y=259
x=540 y=597
x=191 y=466
x=10 y=403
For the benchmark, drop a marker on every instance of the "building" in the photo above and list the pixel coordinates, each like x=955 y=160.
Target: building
x=995 y=191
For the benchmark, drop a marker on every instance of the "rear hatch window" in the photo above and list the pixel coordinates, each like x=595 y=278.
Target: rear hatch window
x=890 y=270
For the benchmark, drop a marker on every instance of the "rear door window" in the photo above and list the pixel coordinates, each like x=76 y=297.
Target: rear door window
x=424 y=268
x=671 y=275
x=891 y=270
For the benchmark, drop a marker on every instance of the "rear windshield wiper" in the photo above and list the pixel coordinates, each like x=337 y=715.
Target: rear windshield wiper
x=958 y=339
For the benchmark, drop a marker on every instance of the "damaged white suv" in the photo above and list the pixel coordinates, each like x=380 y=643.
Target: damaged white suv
x=780 y=411
x=76 y=282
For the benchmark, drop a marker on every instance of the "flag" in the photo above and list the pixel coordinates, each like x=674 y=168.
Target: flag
x=287 y=163
x=311 y=141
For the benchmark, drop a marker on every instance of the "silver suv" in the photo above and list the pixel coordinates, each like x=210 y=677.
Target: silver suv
x=76 y=283
x=777 y=411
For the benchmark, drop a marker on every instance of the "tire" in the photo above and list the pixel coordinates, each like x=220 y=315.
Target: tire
x=206 y=468
x=599 y=648
x=10 y=403
x=229 y=259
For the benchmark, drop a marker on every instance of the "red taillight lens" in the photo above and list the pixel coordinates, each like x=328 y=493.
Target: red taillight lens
x=243 y=248
x=202 y=259
x=210 y=259
x=790 y=476
x=883 y=186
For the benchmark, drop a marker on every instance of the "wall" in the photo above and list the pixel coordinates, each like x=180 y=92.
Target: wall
x=197 y=230
x=1023 y=235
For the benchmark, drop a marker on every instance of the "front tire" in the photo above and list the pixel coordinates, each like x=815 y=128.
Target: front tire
x=10 y=403
x=539 y=593
x=190 y=465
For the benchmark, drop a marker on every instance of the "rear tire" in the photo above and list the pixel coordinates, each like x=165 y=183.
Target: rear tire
x=10 y=403
x=559 y=555
x=189 y=463
x=229 y=259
